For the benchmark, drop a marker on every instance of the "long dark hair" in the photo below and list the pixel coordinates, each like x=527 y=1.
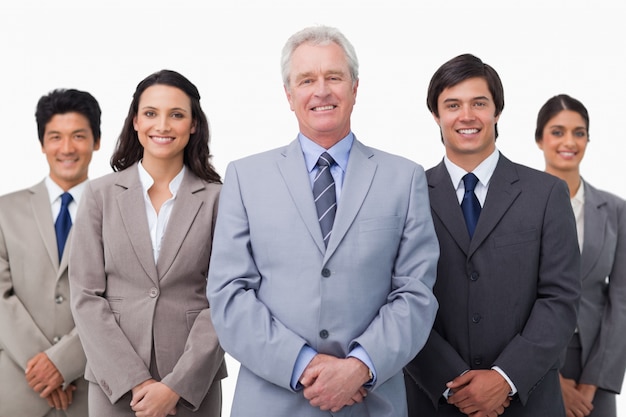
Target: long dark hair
x=197 y=156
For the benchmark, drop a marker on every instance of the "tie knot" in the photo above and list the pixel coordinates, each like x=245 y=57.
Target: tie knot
x=66 y=199
x=325 y=160
x=470 y=180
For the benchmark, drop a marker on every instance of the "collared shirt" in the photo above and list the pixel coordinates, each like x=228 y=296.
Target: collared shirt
x=484 y=171
x=578 y=205
x=340 y=153
x=55 y=192
x=157 y=223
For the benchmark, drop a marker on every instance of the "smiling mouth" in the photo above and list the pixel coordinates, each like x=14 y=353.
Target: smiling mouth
x=323 y=108
x=468 y=131
x=162 y=139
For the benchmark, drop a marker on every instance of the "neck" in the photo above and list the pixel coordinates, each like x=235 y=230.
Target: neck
x=162 y=171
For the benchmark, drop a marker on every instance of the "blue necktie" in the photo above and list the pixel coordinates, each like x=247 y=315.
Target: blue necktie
x=470 y=204
x=324 y=195
x=63 y=223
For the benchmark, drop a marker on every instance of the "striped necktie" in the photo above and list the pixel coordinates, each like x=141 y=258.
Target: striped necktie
x=324 y=195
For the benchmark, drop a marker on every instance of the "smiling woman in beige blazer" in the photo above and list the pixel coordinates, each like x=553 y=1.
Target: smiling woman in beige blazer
x=139 y=262
x=593 y=371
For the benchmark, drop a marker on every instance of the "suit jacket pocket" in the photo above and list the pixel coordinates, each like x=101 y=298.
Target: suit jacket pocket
x=191 y=318
x=516 y=238
x=115 y=304
x=379 y=223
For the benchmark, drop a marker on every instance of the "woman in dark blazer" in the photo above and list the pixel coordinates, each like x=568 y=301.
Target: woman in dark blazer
x=139 y=260
x=593 y=369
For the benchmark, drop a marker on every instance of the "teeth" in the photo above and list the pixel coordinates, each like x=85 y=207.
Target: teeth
x=323 y=108
x=468 y=131
x=567 y=154
x=162 y=139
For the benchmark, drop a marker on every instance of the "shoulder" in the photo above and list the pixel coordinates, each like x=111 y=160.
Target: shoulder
x=16 y=198
x=599 y=197
x=385 y=159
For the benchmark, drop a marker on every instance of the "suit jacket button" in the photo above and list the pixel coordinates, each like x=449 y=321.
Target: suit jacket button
x=474 y=276
x=324 y=334
x=478 y=360
x=56 y=339
x=59 y=299
x=476 y=318
x=153 y=292
x=325 y=272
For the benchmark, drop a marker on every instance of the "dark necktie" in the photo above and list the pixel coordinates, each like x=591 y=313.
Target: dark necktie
x=470 y=204
x=64 y=223
x=324 y=195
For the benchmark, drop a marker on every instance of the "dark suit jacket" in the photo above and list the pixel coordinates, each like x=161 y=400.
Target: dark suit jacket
x=602 y=317
x=508 y=297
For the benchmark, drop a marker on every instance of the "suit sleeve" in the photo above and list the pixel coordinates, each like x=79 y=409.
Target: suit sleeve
x=404 y=322
x=246 y=327
x=550 y=325
x=20 y=337
x=607 y=360
x=68 y=356
x=111 y=357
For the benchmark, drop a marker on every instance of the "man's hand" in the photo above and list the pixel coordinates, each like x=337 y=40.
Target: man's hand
x=153 y=399
x=332 y=383
x=480 y=393
x=42 y=375
x=577 y=399
x=60 y=399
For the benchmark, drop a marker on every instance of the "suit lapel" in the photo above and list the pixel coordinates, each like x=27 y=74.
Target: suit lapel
x=357 y=181
x=595 y=227
x=185 y=210
x=293 y=170
x=133 y=212
x=503 y=190
x=40 y=204
x=445 y=205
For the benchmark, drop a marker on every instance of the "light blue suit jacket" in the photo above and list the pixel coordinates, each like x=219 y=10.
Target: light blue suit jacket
x=273 y=286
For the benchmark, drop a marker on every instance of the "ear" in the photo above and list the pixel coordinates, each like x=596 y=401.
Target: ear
x=539 y=144
x=354 y=89
x=289 y=98
x=96 y=144
x=135 y=123
x=437 y=120
x=193 y=127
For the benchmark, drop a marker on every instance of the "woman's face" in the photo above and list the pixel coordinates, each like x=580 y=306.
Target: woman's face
x=164 y=123
x=564 y=141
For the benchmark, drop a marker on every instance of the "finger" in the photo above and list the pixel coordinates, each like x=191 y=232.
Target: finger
x=63 y=398
x=56 y=401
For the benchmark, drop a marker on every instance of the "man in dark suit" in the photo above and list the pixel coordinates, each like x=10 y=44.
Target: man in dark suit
x=508 y=279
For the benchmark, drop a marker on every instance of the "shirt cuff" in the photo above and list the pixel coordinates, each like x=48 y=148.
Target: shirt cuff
x=306 y=355
x=507 y=379
x=360 y=353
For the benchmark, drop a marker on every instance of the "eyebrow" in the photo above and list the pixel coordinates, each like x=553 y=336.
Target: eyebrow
x=172 y=109
x=58 y=132
x=310 y=74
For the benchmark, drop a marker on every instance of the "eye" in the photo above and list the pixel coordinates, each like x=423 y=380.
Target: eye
x=480 y=104
x=149 y=113
x=580 y=133
x=80 y=137
x=178 y=115
x=452 y=106
x=556 y=133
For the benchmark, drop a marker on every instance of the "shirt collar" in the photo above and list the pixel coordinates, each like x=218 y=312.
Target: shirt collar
x=55 y=191
x=579 y=197
x=146 y=180
x=483 y=171
x=339 y=151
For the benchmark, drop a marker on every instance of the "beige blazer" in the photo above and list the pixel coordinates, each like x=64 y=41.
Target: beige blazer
x=35 y=311
x=124 y=304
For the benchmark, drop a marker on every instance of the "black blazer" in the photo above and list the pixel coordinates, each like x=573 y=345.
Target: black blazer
x=509 y=297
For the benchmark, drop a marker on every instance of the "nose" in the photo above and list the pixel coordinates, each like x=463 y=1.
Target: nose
x=322 y=88
x=467 y=113
x=569 y=139
x=67 y=145
x=163 y=124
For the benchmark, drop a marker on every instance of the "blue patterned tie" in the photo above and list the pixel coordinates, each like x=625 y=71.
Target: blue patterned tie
x=63 y=223
x=324 y=195
x=470 y=204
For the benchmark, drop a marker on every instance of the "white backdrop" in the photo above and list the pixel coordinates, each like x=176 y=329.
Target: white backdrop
x=231 y=51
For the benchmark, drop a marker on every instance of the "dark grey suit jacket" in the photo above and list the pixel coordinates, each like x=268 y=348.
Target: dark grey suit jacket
x=508 y=297
x=602 y=316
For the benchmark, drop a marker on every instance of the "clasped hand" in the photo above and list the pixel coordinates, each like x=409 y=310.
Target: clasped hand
x=332 y=383
x=480 y=393
x=44 y=378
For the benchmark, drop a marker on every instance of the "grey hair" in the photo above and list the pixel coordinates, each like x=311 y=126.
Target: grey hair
x=318 y=35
